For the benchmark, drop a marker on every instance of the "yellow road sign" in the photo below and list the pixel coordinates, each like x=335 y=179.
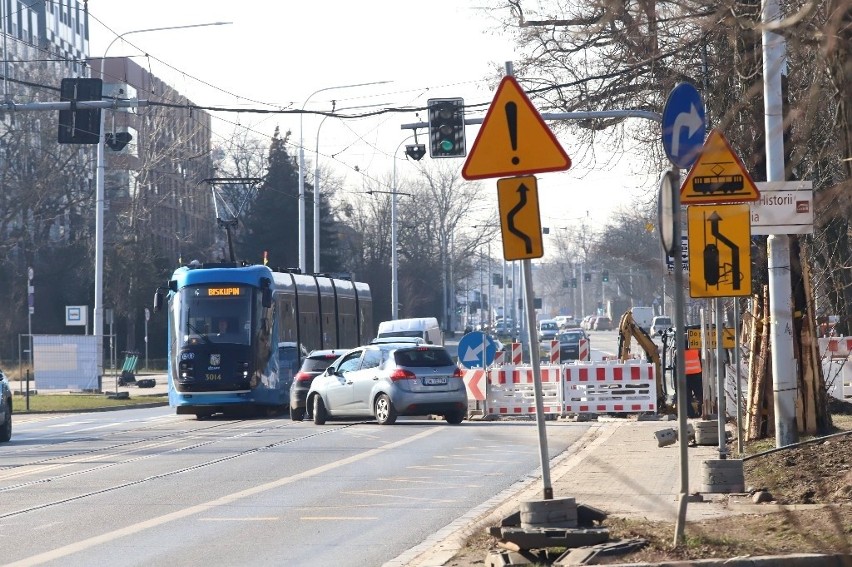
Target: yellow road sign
x=719 y=250
x=718 y=176
x=520 y=221
x=513 y=139
x=693 y=338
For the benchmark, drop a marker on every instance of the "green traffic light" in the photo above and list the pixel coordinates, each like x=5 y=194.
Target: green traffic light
x=446 y=145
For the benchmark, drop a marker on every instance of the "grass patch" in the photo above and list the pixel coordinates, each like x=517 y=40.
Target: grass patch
x=78 y=402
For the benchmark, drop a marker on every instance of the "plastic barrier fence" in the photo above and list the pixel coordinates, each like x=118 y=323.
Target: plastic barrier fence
x=835 y=347
x=511 y=390
x=582 y=387
x=610 y=387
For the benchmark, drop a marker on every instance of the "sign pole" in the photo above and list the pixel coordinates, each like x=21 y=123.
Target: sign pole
x=720 y=381
x=536 y=368
x=30 y=311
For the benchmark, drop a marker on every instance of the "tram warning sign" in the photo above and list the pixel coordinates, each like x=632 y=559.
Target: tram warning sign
x=513 y=139
x=718 y=176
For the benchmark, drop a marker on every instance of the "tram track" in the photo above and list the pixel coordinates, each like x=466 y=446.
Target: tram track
x=159 y=476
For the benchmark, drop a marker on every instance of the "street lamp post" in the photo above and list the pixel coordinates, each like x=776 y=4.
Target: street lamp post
x=394 y=257
x=98 y=326
x=302 y=227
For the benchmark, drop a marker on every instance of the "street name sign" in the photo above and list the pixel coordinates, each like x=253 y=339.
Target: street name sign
x=520 y=220
x=718 y=175
x=513 y=139
x=683 y=125
x=719 y=250
x=784 y=207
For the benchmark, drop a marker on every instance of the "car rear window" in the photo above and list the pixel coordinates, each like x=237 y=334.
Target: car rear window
x=318 y=364
x=570 y=337
x=422 y=357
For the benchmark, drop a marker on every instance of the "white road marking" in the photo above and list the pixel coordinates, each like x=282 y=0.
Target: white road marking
x=334 y=518
x=76 y=547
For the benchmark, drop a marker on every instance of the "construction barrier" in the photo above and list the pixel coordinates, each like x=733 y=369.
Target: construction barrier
x=584 y=353
x=581 y=387
x=610 y=387
x=554 y=352
x=511 y=390
x=499 y=358
x=835 y=347
x=517 y=354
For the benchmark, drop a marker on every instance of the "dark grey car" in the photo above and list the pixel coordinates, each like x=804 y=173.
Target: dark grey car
x=569 y=344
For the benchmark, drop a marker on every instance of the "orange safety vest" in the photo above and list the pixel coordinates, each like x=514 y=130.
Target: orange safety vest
x=692 y=362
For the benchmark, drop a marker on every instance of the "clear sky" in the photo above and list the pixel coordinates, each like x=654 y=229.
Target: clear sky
x=277 y=53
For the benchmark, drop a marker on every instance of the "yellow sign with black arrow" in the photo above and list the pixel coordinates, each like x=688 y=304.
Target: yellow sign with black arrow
x=513 y=139
x=520 y=220
x=719 y=250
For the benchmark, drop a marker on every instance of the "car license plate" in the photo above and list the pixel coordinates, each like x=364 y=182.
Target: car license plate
x=435 y=380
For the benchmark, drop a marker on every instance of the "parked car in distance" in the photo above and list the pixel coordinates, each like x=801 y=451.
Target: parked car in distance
x=385 y=381
x=565 y=321
x=602 y=324
x=660 y=324
x=5 y=409
x=547 y=329
x=569 y=344
x=588 y=322
x=313 y=365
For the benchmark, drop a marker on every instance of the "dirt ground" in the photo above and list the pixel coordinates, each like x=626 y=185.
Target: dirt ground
x=817 y=474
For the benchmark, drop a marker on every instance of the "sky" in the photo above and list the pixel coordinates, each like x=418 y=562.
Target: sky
x=280 y=53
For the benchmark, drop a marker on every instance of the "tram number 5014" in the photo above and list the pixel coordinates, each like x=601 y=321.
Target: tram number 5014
x=213 y=377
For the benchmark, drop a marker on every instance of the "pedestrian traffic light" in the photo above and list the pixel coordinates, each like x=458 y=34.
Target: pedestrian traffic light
x=605 y=276
x=446 y=127
x=80 y=126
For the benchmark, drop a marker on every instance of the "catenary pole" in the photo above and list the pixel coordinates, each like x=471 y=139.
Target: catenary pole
x=784 y=387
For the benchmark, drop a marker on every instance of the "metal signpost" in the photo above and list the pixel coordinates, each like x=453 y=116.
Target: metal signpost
x=682 y=136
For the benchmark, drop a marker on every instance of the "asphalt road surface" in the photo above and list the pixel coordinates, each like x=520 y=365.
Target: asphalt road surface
x=147 y=487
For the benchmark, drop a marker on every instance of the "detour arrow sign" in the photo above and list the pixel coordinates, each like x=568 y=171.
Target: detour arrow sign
x=473 y=379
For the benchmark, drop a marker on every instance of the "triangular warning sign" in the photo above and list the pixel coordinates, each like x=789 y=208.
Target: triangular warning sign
x=513 y=139
x=718 y=175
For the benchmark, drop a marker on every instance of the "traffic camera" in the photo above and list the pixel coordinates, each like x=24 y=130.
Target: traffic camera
x=446 y=128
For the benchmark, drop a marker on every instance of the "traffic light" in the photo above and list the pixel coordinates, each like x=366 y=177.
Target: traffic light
x=605 y=276
x=80 y=126
x=117 y=141
x=574 y=283
x=587 y=277
x=446 y=127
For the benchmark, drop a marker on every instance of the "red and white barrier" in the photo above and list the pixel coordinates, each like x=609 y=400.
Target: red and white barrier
x=554 y=352
x=835 y=347
x=610 y=386
x=517 y=354
x=499 y=358
x=511 y=391
x=584 y=350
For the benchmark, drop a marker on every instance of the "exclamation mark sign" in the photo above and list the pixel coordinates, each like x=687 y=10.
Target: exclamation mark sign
x=512 y=123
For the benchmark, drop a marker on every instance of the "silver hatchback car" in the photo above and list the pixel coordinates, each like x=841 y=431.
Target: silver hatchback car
x=385 y=381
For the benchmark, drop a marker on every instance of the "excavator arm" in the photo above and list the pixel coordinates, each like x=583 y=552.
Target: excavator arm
x=629 y=330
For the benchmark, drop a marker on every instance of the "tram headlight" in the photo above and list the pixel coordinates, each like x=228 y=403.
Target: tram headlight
x=185 y=369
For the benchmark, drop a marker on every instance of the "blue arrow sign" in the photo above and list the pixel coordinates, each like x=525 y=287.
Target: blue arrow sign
x=477 y=350
x=683 y=125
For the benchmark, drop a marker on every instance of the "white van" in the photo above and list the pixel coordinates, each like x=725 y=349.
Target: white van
x=661 y=324
x=425 y=328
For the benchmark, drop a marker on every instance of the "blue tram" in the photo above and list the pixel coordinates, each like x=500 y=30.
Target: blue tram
x=226 y=322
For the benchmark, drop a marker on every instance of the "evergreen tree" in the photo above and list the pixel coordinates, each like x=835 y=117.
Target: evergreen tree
x=272 y=222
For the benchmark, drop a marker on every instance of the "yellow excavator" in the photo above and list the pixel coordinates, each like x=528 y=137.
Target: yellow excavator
x=628 y=329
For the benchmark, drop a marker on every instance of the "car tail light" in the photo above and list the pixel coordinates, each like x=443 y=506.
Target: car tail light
x=302 y=377
x=402 y=374
x=457 y=373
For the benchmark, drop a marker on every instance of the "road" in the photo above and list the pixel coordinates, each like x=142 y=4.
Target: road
x=147 y=487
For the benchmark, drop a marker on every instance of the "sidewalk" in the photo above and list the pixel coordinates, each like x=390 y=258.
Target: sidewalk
x=616 y=466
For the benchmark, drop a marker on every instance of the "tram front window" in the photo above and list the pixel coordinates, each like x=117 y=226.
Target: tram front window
x=215 y=314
